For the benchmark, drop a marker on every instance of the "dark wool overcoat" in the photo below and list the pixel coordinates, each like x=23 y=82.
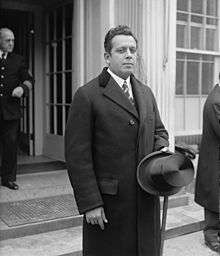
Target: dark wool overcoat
x=106 y=137
x=208 y=173
x=13 y=72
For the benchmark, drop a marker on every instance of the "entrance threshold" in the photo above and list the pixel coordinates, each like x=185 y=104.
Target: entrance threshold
x=33 y=164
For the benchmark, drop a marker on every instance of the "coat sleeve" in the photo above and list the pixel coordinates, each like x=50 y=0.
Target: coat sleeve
x=78 y=153
x=214 y=118
x=161 y=137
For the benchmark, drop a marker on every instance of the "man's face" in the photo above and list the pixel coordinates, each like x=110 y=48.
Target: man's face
x=122 y=58
x=7 y=41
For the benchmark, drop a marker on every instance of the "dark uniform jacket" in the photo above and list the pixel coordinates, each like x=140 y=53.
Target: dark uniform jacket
x=106 y=137
x=13 y=72
x=208 y=173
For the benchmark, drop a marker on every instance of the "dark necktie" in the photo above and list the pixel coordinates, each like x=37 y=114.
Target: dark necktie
x=126 y=92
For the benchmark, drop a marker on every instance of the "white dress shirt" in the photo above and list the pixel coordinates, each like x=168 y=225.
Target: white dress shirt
x=120 y=81
x=1 y=52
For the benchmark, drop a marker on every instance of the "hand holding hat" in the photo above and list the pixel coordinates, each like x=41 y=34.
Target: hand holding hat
x=164 y=173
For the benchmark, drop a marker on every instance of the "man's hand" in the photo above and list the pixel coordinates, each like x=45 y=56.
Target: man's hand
x=18 y=92
x=96 y=217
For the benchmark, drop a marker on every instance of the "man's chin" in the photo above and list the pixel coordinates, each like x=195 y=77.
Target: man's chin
x=126 y=73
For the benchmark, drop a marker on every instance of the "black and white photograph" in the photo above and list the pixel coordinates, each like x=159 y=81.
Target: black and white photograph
x=109 y=127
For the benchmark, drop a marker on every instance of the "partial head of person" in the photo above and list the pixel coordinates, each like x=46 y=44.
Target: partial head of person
x=6 y=40
x=121 y=51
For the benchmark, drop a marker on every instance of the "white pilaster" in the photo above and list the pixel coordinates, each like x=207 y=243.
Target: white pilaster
x=158 y=56
x=78 y=52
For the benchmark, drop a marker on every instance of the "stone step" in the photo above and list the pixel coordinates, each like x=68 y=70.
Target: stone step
x=52 y=222
x=66 y=242
x=54 y=243
x=24 y=168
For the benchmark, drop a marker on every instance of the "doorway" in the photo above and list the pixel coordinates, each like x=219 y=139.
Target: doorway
x=22 y=24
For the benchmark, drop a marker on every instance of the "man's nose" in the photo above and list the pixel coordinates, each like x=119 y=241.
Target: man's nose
x=128 y=53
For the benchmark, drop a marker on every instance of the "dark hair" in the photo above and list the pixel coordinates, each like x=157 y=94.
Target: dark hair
x=119 y=30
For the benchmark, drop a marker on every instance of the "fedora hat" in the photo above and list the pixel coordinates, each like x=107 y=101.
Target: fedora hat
x=164 y=173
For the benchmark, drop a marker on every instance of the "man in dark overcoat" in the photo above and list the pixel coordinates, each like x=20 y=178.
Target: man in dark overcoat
x=15 y=82
x=113 y=123
x=207 y=191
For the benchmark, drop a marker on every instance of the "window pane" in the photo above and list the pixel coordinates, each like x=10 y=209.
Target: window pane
x=68 y=57
x=210 y=21
x=59 y=88
x=68 y=19
x=59 y=55
x=181 y=36
x=51 y=58
x=68 y=87
x=212 y=7
x=207 y=77
x=51 y=92
x=195 y=38
x=59 y=120
x=193 y=56
x=182 y=5
x=209 y=58
x=182 y=17
x=196 y=19
x=179 y=77
x=210 y=39
x=51 y=124
x=196 y=6
x=180 y=56
x=192 y=78
x=59 y=19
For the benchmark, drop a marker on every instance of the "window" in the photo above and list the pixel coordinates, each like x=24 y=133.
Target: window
x=197 y=44
x=197 y=58
x=59 y=68
x=197 y=23
x=194 y=74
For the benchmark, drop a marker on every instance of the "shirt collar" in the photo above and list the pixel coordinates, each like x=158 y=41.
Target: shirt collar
x=1 y=52
x=118 y=79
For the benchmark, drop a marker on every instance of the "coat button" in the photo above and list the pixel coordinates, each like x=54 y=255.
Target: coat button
x=131 y=122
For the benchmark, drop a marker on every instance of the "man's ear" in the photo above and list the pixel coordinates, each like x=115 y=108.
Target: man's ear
x=106 y=57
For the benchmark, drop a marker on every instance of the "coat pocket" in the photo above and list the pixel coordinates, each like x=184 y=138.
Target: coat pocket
x=108 y=186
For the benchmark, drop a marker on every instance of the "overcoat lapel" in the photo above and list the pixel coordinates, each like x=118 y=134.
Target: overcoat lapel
x=112 y=91
x=140 y=98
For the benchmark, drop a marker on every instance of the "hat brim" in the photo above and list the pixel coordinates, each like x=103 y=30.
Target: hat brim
x=144 y=178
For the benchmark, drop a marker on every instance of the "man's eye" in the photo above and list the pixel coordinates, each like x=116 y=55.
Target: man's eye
x=133 y=50
x=121 y=50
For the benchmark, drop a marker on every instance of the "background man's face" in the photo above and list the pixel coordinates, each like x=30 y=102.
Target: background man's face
x=7 y=41
x=122 y=58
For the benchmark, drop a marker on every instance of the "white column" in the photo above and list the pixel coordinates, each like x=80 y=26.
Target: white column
x=107 y=21
x=158 y=56
x=78 y=51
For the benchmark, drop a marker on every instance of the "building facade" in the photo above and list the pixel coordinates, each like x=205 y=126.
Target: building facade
x=179 y=58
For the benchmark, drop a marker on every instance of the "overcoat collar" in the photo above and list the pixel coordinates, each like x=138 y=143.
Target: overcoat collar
x=113 y=92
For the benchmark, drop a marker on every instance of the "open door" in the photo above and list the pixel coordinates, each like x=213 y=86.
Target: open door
x=22 y=24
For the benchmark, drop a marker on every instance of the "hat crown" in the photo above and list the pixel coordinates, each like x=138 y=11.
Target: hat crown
x=173 y=168
x=164 y=173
